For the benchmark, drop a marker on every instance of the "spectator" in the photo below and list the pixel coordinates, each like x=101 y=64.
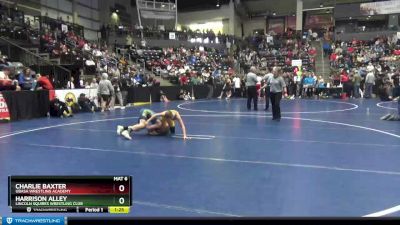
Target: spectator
x=94 y=84
x=236 y=86
x=356 y=84
x=59 y=108
x=369 y=81
x=70 y=84
x=25 y=79
x=44 y=83
x=347 y=83
x=210 y=85
x=117 y=90
x=181 y=95
x=6 y=84
x=308 y=85
x=163 y=97
x=85 y=104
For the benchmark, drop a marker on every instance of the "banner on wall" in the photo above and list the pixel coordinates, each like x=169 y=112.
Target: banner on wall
x=377 y=8
x=72 y=95
x=4 y=113
x=291 y=22
x=64 y=28
x=172 y=36
x=297 y=62
x=270 y=39
x=276 y=26
x=318 y=21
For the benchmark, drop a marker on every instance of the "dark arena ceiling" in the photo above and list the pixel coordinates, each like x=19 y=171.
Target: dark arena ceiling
x=254 y=6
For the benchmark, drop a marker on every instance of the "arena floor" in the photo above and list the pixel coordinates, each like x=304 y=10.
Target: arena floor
x=324 y=158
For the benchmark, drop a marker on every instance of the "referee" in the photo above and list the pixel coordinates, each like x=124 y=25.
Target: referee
x=267 y=87
x=277 y=86
x=251 y=81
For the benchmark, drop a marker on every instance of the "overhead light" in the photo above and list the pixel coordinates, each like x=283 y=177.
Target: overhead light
x=117 y=11
x=350 y=18
x=293 y=14
x=369 y=16
x=321 y=5
x=163 y=5
x=217 y=4
x=274 y=13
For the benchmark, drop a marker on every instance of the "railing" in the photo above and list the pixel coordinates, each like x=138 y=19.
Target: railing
x=58 y=74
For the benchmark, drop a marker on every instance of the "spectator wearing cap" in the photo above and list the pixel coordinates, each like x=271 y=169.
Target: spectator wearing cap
x=59 y=108
x=85 y=104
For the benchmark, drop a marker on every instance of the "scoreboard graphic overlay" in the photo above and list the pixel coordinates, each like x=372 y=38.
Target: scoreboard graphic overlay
x=70 y=194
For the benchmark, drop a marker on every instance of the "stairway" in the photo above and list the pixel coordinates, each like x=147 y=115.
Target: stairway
x=44 y=56
x=321 y=63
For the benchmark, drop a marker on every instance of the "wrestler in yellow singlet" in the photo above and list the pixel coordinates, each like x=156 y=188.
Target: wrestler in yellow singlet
x=167 y=124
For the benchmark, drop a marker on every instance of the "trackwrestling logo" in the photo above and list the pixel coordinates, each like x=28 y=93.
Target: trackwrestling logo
x=33 y=220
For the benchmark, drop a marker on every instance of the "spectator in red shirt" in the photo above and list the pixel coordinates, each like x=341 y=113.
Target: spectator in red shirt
x=183 y=79
x=44 y=83
x=354 y=42
x=344 y=77
x=333 y=59
x=347 y=84
x=312 y=51
x=81 y=43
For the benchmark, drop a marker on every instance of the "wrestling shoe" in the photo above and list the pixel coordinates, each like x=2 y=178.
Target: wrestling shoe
x=120 y=129
x=385 y=117
x=126 y=135
x=392 y=118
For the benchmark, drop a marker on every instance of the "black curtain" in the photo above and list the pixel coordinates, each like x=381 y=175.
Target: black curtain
x=24 y=105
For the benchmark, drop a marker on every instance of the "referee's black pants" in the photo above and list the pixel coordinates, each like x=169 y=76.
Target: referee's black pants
x=252 y=95
x=267 y=94
x=276 y=104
